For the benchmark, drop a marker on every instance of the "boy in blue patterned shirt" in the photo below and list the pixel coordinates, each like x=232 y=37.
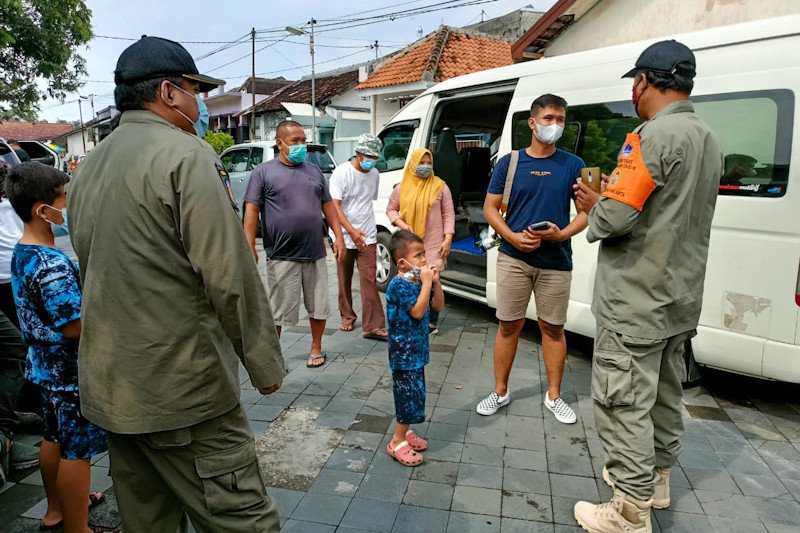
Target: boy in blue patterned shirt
x=410 y=295
x=48 y=298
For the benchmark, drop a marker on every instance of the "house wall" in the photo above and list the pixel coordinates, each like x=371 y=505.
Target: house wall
x=75 y=146
x=266 y=124
x=386 y=107
x=622 y=21
x=351 y=98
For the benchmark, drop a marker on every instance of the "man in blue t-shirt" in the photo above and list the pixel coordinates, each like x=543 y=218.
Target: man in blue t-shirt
x=535 y=261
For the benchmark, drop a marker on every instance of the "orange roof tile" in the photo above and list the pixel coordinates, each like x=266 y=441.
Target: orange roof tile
x=19 y=130
x=444 y=54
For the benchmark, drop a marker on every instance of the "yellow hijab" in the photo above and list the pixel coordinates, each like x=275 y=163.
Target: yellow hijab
x=417 y=195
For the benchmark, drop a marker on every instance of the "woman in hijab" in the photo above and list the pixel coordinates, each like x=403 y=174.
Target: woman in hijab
x=423 y=204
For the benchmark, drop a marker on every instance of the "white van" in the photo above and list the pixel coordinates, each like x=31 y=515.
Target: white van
x=748 y=76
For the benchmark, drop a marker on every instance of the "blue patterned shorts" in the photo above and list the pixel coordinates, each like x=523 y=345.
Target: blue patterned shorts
x=65 y=425
x=409 y=396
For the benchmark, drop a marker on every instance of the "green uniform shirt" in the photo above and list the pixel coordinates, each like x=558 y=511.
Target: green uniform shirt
x=172 y=295
x=651 y=264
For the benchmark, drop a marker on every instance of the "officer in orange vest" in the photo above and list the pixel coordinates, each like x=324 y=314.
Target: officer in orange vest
x=653 y=221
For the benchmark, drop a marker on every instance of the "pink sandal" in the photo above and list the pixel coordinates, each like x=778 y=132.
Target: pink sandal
x=417 y=443
x=404 y=454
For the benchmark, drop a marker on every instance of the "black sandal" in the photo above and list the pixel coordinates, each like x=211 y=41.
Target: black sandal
x=312 y=357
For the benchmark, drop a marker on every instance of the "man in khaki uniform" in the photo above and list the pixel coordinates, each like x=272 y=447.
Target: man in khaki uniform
x=173 y=303
x=653 y=222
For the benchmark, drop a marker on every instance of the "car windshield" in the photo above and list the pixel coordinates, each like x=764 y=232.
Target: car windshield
x=7 y=155
x=322 y=159
x=318 y=155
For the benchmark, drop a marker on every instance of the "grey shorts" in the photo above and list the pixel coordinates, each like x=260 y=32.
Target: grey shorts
x=516 y=280
x=285 y=279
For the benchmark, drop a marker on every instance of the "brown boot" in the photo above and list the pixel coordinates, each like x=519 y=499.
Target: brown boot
x=661 y=499
x=623 y=514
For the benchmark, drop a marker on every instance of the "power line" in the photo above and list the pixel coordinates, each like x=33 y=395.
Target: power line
x=405 y=13
x=387 y=6
x=118 y=38
x=244 y=56
x=332 y=60
x=429 y=8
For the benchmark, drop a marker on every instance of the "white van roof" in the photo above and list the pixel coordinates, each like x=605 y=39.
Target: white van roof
x=628 y=52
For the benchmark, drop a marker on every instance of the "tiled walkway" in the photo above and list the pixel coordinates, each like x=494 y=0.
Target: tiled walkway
x=321 y=441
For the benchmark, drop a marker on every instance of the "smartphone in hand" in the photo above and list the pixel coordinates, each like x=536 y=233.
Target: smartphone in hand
x=539 y=226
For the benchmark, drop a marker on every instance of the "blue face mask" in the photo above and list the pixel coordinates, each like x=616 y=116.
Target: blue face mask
x=367 y=164
x=201 y=125
x=297 y=153
x=424 y=171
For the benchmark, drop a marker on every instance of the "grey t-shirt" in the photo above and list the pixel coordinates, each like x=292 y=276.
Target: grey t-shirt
x=290 y=201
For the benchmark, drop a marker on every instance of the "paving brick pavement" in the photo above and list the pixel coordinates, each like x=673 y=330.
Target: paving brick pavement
x=321 y=443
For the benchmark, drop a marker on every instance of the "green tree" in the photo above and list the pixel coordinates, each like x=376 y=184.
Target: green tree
x=38 y=42
x=219 y=140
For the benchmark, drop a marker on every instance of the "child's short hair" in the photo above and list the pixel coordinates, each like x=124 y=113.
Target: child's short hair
x=32 y=182
x=400 y=241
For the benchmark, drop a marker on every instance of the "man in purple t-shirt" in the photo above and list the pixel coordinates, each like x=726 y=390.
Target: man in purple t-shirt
x=290 y=196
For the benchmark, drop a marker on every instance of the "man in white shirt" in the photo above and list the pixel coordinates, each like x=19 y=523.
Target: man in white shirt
x=10 y=233
x=353 y=187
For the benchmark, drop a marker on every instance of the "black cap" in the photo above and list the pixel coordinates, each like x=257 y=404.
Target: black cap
x=670 y=57
x=154 y=57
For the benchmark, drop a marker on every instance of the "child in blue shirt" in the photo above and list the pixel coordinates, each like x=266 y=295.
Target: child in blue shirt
x=409 y=296
x=47 y=294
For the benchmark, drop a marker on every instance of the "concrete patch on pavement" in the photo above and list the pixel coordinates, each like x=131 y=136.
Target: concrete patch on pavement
x=292 y=452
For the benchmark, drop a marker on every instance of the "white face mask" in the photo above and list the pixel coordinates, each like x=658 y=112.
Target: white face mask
x=548 y=134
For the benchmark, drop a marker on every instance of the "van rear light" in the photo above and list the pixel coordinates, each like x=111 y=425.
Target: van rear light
x=797 y=289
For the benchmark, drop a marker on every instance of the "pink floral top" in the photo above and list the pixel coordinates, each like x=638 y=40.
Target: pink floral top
x=441 y=221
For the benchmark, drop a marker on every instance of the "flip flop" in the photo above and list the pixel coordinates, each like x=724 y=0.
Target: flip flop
x=417 y=443
x=95 y=499
x=377 y=335
x=316 y=357
x=403 y=454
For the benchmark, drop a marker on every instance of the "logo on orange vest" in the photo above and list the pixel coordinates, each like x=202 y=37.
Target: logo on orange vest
x=627 y=149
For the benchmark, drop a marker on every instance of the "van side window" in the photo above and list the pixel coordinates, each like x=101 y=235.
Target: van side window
x=396 y=142
x=754 y=128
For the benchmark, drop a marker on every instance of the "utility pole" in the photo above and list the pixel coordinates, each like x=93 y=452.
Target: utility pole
x=94 y=115
x=253 y=86
x=376 y=49
x=80 y=113
x=298 y=31
x=313 y=88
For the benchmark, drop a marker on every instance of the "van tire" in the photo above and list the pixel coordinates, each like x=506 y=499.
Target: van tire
x=386 y=268
x=693 y=374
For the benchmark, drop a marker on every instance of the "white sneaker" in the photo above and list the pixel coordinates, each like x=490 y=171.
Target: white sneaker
x=493 y=402
x=560 y=409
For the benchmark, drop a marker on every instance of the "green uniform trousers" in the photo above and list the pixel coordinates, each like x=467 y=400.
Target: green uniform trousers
x=636 y=388
x=208 y=471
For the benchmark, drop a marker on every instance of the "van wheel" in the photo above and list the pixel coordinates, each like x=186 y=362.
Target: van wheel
x=693 y=373
x=385 y=268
